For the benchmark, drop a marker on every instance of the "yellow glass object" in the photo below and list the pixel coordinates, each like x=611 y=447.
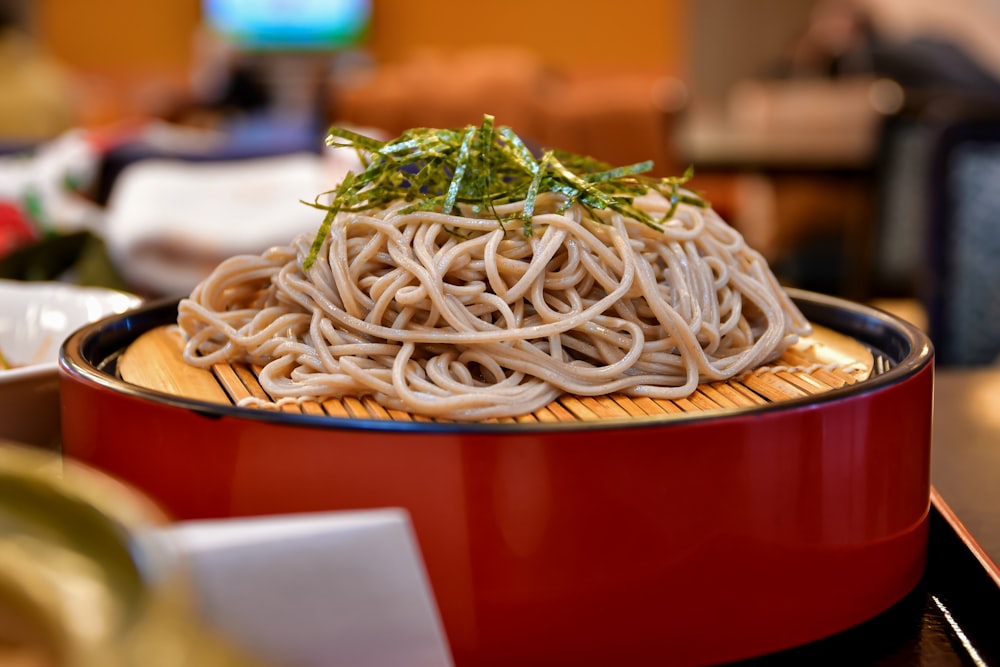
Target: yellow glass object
x=86 y=580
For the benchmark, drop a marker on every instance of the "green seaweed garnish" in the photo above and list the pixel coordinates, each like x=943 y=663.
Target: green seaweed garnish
x=483 y=167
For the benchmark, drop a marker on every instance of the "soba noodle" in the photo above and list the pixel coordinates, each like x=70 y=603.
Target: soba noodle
x=456 y=316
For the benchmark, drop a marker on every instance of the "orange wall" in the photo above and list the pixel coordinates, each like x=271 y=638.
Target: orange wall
x=134 y=57
x=118 y=35
x=136 y=34
x=587 y=33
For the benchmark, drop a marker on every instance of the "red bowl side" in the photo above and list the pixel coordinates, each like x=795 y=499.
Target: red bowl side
x=688 y=542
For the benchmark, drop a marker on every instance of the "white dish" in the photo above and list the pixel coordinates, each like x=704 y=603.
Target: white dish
x=35 y=319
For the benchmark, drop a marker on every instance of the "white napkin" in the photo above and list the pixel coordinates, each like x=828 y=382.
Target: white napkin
x=317 y=590
x=170 y=222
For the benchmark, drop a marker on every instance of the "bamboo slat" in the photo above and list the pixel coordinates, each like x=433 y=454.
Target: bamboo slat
x=823 y=361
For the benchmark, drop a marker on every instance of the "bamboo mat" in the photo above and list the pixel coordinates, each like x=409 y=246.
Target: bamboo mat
x=823 y=361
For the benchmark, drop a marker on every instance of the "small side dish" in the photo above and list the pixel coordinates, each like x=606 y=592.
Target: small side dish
x=35 y=319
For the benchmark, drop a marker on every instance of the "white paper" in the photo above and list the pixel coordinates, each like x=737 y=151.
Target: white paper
x=312 y=590
x=170 y=222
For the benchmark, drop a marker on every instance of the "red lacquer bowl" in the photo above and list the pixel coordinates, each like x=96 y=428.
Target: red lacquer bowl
x=680 y=540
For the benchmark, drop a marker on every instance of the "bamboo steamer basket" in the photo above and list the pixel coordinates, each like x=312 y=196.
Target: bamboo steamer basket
x=756 y=515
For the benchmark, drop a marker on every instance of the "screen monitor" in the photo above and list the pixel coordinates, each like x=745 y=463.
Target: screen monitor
x=289 y=25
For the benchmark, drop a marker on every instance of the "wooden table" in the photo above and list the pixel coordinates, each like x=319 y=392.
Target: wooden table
x=965 y=455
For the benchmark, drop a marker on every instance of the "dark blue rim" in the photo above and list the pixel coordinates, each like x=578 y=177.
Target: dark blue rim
x=90 y=355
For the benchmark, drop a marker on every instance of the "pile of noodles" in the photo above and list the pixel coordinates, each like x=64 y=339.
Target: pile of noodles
x=457 y=316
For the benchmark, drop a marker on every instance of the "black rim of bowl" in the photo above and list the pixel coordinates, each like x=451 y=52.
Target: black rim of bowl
x=91 y=353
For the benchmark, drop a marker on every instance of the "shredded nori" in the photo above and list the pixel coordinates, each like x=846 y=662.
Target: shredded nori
x=483 y=167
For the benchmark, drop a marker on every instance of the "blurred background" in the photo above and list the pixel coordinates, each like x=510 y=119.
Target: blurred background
x=856 y=143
